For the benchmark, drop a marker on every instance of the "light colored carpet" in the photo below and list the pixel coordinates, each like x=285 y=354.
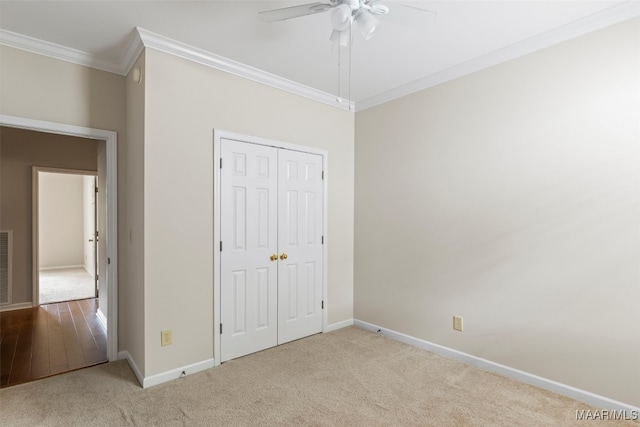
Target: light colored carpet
x=349 y=377
x=65 y=285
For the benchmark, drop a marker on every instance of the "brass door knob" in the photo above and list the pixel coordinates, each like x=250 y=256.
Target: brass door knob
x=283 y=256
x=273 y=257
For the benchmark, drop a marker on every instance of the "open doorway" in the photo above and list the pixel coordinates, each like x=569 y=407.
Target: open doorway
x=24 y=292
x=41 y=340
x=67 y=239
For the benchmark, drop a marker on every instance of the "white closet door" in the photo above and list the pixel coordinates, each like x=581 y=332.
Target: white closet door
x=299 y=245
x=248 y=285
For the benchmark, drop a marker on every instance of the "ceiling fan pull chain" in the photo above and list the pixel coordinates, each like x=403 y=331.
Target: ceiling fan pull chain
x=350 y=44
x=339 y=99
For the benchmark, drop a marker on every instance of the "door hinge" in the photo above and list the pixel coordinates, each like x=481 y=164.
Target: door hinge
x=220 y=328
x=322 y=174
x=96 y=189
x=220 y=245
x=322 y=240
x=108 y=260
x=322 y=306
x=220 y=162
x=97 y=277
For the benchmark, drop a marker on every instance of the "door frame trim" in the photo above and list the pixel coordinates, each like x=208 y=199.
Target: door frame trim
x=35 y=222
x=218 y=136
x=111 y=187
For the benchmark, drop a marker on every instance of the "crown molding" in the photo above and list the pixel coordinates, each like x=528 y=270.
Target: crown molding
x=597 y=21
x=131 y=54
x=52 y=50
x=142 y=38
x=200 y=56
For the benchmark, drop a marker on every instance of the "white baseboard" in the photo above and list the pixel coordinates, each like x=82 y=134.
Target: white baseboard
x=177 y=373
x=506 y=371
x=338 y=325
x=164 y=376
x=89 y=271
x=61 y=267
x=16 y=306
x=124 y=355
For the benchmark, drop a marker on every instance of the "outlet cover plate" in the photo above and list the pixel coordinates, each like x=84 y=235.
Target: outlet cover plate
x=166 y=338
x=457 y=323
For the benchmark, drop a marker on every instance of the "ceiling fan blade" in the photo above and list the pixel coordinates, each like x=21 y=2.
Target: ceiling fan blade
x=407 y=15
x=293 y=12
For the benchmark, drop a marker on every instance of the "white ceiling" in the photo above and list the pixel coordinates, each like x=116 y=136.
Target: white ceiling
x=465 y=35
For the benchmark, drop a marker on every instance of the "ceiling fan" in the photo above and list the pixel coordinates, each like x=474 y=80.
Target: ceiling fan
x=343 y=13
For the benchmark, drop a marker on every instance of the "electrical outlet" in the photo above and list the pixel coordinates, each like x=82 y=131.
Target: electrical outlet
x=457 y=323
x=166 y=338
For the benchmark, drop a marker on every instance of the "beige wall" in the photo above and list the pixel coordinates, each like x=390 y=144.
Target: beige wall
x=43 y=88
x=184 y=103
x=511 y=197
x=19 y=151
x=61 y=219
x=131 y=307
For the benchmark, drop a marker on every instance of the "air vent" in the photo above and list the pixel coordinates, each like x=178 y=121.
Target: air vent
x=5 y=267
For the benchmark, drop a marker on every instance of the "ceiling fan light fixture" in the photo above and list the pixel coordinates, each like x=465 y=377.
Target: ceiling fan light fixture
x=379 y=9
x=366 y=24
x=340 y=17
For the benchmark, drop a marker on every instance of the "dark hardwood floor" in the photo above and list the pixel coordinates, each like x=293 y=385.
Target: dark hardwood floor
x=49 y=340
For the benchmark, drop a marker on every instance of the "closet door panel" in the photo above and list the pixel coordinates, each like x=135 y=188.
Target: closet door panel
x=299 y=245
x=248 y=276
